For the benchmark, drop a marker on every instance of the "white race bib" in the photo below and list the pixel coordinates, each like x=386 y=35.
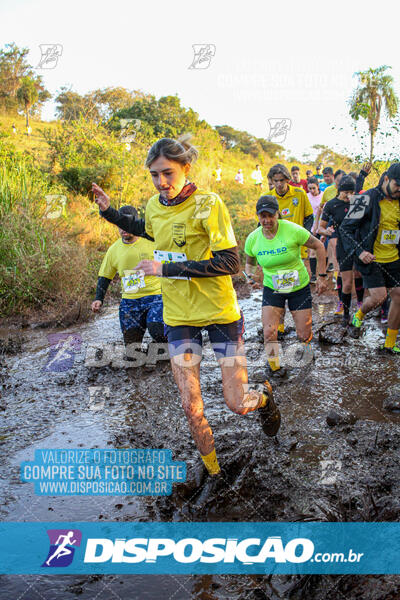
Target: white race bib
x=285 y=281
x=133 y=281
x=164 y=256
x=390 y=236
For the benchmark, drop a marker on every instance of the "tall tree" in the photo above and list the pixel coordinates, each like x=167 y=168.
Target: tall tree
x=166 y=116
x=30 y=93
x=242 y=140
x=13 y=67
x=97 y=105
x=329 y=158
x=112 y=99
x=374 y=91
x=71 y=106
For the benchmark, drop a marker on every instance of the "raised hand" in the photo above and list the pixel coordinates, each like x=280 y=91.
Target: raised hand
x=100 y=197
x=367 y=166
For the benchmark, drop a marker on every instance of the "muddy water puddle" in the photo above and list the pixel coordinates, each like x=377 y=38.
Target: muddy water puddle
x=309 y=472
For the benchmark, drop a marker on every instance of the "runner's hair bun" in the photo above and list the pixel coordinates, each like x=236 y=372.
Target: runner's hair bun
x=180 y=150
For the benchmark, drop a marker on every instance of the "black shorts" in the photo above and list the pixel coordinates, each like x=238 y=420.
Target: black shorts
x=224 y=339
x=345 y=260
x=383 y=275
x=298 y=300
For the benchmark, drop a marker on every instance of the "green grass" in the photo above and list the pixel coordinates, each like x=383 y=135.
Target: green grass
x=33 y=145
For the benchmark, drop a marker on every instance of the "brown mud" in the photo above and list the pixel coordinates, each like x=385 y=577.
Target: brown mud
x=347 y=470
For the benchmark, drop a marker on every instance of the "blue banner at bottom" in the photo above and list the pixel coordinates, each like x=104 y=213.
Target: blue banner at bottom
x=199 y=548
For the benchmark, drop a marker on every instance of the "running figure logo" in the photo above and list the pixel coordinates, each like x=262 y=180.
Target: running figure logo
x=278 y=129
x=62 y=351
x=62 y=547
x=50 y=55
x=358 y=205
x=203 y=54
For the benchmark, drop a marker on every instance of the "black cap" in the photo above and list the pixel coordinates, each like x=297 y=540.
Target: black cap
x=347 y=184
x=393 y=172
x=128 y=210
x=268 y=203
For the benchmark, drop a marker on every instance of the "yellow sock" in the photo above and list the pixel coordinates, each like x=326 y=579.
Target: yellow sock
x=274 y=363
x=281 y=327
x=336 y=273
x=359 y=314
x=211 y=462
x=391 y=336
x=264 y=401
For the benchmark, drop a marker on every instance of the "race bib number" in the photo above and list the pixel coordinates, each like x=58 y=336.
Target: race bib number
x=390 y=236
x=285 y=281
x=133 y=281
x=163 y=256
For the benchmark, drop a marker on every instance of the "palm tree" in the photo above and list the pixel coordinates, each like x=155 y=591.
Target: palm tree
x=375 y=89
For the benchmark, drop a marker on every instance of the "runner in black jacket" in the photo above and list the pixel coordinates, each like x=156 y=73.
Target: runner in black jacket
x=335 y=211
x=371 y=231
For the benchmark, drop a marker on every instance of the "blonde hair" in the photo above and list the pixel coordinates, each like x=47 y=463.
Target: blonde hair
x=179 y=150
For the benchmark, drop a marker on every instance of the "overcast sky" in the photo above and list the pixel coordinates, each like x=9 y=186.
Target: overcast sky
x=285 y=60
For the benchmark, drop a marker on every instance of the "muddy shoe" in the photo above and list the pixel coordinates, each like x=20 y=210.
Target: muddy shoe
x=208 y=489
x=128 y=358
x=269 y=415
x=304 y=355
x=277 y=375
x=345 y=320
x=395 y=351
x=354 y=327
x=339 y=309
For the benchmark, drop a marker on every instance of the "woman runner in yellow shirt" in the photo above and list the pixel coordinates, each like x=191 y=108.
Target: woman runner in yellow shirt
x=196 y=254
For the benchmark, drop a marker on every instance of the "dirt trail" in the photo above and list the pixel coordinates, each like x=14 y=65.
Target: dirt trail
x=348 y=471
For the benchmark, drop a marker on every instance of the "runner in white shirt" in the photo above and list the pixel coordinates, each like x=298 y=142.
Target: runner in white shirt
x=257 y=176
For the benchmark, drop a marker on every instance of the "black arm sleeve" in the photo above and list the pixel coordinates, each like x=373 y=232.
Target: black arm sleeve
x=223 y=262
x=325 y=213
x=126 y=222
x=308 y=222
x=360 y=181
x=102 y=287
